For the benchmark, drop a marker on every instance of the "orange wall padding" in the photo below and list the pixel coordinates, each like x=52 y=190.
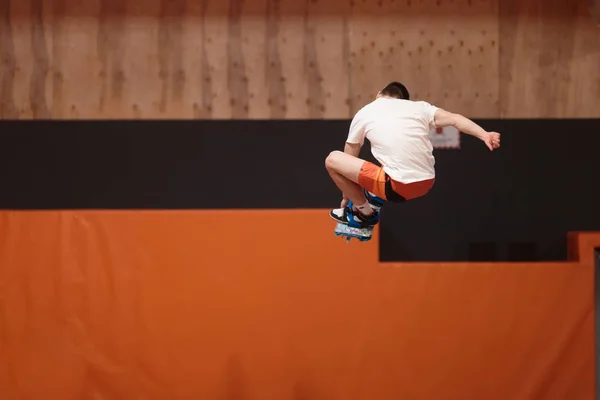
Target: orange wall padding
x=270 y=305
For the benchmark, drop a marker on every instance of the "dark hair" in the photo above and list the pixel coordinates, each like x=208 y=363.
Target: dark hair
x=397 y=90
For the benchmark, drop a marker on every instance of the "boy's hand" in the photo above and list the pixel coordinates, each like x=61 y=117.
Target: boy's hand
x=492 y=140
x=344 y=202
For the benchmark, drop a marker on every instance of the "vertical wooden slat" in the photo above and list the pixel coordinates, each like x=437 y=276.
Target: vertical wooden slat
x=237 y=82
x=312 y=65
x=216 y=28
x=326 y=57
x=550 y=60
x=203 y=108
x=78 y=75
x=291 y=41
x=277 y=98
x=190 y=68
x=8 y=64
x=20 y=18
x=111 y=35
x=57 y=69
x=40 y=62
x=252 y=45
x=153 y=58
x=170 y=54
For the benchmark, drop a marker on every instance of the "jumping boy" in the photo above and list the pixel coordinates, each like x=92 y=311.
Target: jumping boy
x=398 y=130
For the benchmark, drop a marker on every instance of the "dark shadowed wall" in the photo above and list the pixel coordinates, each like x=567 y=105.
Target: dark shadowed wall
x=517 y=203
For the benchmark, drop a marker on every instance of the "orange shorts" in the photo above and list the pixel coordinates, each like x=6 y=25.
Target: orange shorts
x=373 y=178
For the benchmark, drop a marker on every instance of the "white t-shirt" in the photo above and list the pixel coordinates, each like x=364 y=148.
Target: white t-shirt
x=399 y=134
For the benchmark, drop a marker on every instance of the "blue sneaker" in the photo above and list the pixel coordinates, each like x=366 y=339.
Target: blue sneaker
x=354 y=219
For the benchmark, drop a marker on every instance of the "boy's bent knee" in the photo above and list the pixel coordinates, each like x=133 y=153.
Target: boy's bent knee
x=332 y=159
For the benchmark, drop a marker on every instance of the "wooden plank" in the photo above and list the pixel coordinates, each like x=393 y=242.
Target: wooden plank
x=326 y=47
x=18 y=72
x=550 y=60
x=82 y=43
x=8 y=66
x=444 y=51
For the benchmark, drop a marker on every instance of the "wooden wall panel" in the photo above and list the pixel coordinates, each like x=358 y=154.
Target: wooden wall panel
x=550 y=59
x=446 y=52
x=288 y=59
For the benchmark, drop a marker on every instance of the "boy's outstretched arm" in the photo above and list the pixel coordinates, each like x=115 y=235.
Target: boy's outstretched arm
x=465 y=125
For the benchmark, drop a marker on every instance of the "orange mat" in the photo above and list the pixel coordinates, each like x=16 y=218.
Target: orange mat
x=271 y=305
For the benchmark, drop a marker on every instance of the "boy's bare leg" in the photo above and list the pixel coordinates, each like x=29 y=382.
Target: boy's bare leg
x=344 y=170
